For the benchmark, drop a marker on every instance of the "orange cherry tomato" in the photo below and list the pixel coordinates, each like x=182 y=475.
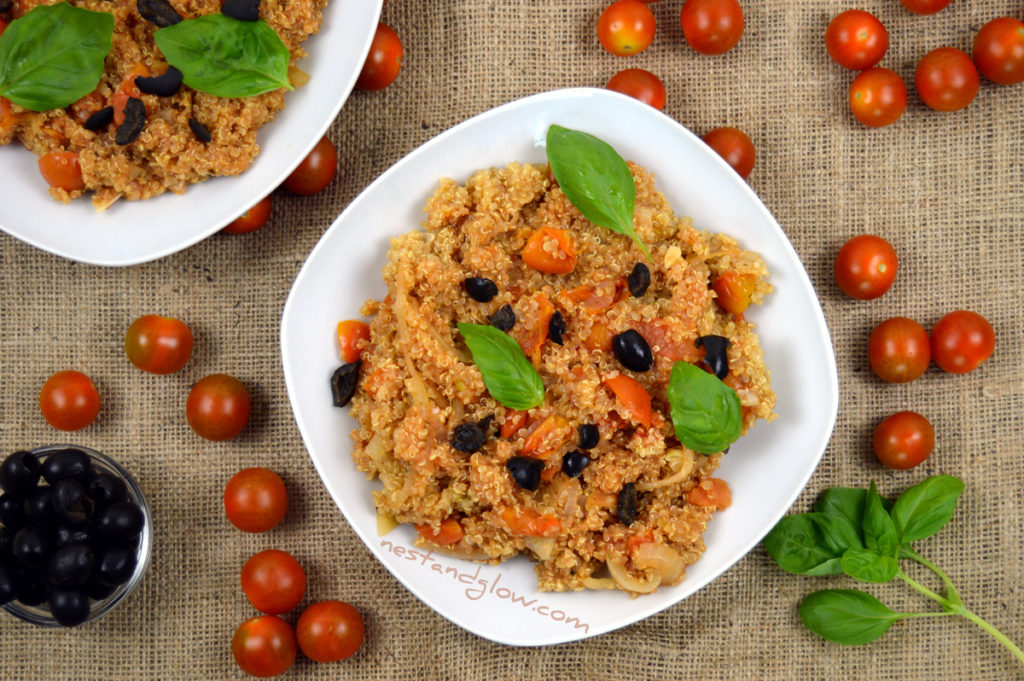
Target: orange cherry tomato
x=712 y=26
x=946 y=79
x=639 y=84
x=264 y=646
x=252 y=219
x=448 y=533
x=961 y=341
x=626 y=27
x=159 y=345
x=903 y=440
x=218 y=407
x=734 y=146
x=255 y=499
x=713 y=492
x=316 y=170
x=633 y=397
x=898 y=350
x=69 y=400
x=865 y=267
x=61 y=169
x=550 y=250
x=856 y=39
x=925 y=6
x=733 y=291
x=999 y=50
x=273 y=581
x=878 y=97
x=383 y=62
x=352 y=336
x=329 y=631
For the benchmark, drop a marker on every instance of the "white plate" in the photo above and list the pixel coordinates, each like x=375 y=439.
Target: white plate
x=766 y=469
x=131 y=232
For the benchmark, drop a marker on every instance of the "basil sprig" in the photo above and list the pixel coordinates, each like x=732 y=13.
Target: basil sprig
x=859 y=533
x=226 y=57
x=507 y=373
x=595 y=179
x=705 y=412
x=53 y=56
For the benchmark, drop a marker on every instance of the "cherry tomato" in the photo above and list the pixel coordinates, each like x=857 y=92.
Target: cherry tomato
x=734 y=146
x=252 y=219
x=733 y=291
x=898 y=350
x=61 y=169
x=255 y=499
x=903 y=440
x=925 y=6
x=218 y=407
x=878 y=97
x=961 y=341
x=946 y=79
x=353 y=335
x=856 y=39
x=639 y=84
x=69 y=400
x=273 y=581
x=865 y=267
x=316 y=170
x=159 y=345
x=264 y=646
x=626 y=27
x=999 y=50
x=329 y=631
x=712 y=26
x=383 y=62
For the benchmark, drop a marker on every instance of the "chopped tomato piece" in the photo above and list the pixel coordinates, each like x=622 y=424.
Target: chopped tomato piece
x=599 y=297
x=3 y=26
x=448 y=533
x=633 y=397
x=61 y=169
x=734 y=290
x=551 y=251
x=711 y=492
x=350 y=333
x=531 y=338
x=549 y=472
x=657 y=333
x=548 y=436
x=7 y=118
x=527 y=523
x=514 y=421
x=637 y=539
x=600 y=337
x=127 y=90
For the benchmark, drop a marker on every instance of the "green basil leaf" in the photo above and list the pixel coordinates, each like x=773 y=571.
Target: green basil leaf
x=844 y=502
x=226 y=57
x=54 y=55
x=595 y=179
x=838 y=533
x=925 y=508
x=507 y=373
x=869 y=565
x=879 y=530
x=705 y=412
x=846 y=616
x=797 y=546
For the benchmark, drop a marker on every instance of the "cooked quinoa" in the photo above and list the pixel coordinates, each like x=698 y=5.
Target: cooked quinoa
x=167 y=155
x=418 y=383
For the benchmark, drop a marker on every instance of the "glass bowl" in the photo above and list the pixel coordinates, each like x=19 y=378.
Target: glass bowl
x=40 y=614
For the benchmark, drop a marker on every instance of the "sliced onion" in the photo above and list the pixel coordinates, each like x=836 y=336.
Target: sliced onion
x=599 y=583
x=385 y=523
x=662 y=558
x=628 y=582
x=544 y=547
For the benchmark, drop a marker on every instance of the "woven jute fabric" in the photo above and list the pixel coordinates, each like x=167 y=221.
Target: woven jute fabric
x=945 y=189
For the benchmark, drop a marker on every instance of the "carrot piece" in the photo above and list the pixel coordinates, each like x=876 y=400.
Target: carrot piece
x=514 y=420
x=559 y=258
x=127 y=90
x=733 y=291
x=524 y=522
x=711 y=492
x=531 y=338
x=547 y=437
x=633 y=397
x=350 y=333
x=448 y=533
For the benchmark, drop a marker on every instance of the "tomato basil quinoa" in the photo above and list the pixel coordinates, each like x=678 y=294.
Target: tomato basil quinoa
x=185 y=137
x=592 y=483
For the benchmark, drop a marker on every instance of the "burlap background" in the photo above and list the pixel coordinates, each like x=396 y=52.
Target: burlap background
x=944 y=188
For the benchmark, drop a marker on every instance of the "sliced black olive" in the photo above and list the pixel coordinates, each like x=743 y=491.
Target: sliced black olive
x=72 y=534
x=638 y=280
x=134 y=121
x=122 y=520
x=625 y=509
x=39 y=505
x=106 y=488
x=67 y=463
x=480 y=289
x=504 y=319
x=160 y=13
x=485 y=424
x=201 y=132
x=243 y=10
x=12 y=511
x=589 y=436
x=69 y=607
x=344 y=381
x=166 y=84
x=100 y=119
x=468 y=437
x=70 y=501
x=525 y=471
x=70 y=565
x=715 y=355
x=574 y=462
x=556 y=327
x=8 y=586
x=19 y=472
x=116 y=565
x=632 y=351
x=32 y=546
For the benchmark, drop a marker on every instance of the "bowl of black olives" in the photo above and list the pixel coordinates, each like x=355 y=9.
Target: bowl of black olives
x=75 y=535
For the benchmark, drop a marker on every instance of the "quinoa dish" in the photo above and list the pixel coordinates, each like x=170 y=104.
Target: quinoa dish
x=187 y=136
x=592 y=483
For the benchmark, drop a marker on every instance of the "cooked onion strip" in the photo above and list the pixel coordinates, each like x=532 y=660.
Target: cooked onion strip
x=628 y=582
x=662 y=558
x=687 y=463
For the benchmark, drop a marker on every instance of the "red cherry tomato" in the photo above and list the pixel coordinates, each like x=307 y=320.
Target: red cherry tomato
x=999 y=50
x=69 y=400
x=255 y=499
x=734 y=146
x=856 y=39
x=329 y=631
x=218 y=407
x=626 y=27
x=961 y=341
x=898 y=350
x=273 y=581
x=925 y=6
x=878 y=97
x=264 y=646
x=639 y=84
x=159 y=345
x=252 y=219
x=865 y=267
x=383 y=62
x=712 y=26
x=903 y=440
x=3 y=26
x=316 y=170
x=61 y=170
x=946 y=79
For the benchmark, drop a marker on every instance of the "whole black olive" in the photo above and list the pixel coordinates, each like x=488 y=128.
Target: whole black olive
x=715 y=354
x=632 y=351
x=556 y=327
x=638 y=280
x=525 y=471
x=32 y=546
x=19 y=472
x=115 y=565
x=122 y=520
x=39 y=505
x=625 y=509
x=70 y=565
x=97 y=590
x=67 y=463
x=8 y=587
x=72 y=534
x=589 y=436
x=6 y=541
x=29 y=587
x=480 y=289
x=12 y=510
x=70 y=502
x=69 y=607
x=504 y=319
x=343 y=383
x=468 y=437
x=574 y=462
x=106 y=488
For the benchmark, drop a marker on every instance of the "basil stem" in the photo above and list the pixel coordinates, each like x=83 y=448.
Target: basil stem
x=507 y=373
x=705 y=412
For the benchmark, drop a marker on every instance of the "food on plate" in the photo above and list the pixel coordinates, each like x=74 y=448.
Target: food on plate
x=383 y=62
x=159 y=345
x=329 y=631
x=161 y=94
x=626 y=27
x=255 y=499
x=878 y=97
x=217 y=407
x=563 y=406
x=946 y=79
x=734 y=146
x=273 y=581
x=640 y=84
x=712 y=26
x=898 y=350
x=69 y=400
x=962 y=340
x=856 y=39
x=865 y=267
